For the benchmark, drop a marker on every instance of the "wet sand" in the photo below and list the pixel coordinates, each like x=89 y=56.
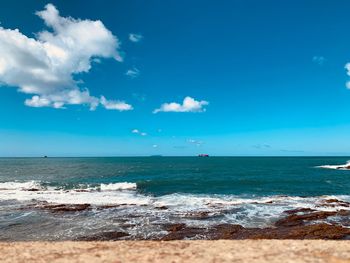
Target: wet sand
x=178 y=251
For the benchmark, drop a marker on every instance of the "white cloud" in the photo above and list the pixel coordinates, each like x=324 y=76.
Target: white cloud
x=347 y=67
x=132 y=73
x=45 y=66
x=189 y=105
x=320 y=60
x=195 y=142
x=137 y=131
x=37 y=101
x=135 y=37
x=115 y=104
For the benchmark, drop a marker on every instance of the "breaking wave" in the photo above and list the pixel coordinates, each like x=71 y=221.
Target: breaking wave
x=336 y=167
x=20 y=185
x=105 y=194
x=234 y=207
x=118 y=186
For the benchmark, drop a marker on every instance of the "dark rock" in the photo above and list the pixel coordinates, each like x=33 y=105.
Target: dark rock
x=295 y=219
x=226 y=231
x=108 y=206
x=316 y=231
x=181 y=231
x=104 y=236
x=334 y=203
x=293 y=226
x=65 y=207
x=198 y=215
x=299 y=210
x=237 y=232
x=161 y=208
x=175 y=227
x=205 y=214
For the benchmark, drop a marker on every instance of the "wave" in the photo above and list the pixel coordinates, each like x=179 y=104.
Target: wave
x=20 y=185
x=118 y=186
x=36 y=185
x=245 y=210
x=105 y=194
x=336 y=167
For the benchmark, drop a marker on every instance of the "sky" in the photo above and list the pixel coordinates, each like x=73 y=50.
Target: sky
x=139 y=78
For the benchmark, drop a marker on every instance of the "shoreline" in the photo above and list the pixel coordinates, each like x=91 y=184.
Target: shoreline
x=330 y=223
x=297 y=224
x=178 y=251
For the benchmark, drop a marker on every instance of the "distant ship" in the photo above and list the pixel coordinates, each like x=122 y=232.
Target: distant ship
x=203 y=155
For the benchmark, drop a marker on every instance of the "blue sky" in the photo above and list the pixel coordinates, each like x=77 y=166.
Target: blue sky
x=266 y=78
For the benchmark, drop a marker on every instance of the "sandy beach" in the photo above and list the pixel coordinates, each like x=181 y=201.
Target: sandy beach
x=178 y=251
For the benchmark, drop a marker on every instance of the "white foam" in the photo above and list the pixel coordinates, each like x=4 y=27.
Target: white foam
x=74 y=197
x=118 y=186
x=20 y=185
x=336 y=167
x=107 y=194
x=247 y=211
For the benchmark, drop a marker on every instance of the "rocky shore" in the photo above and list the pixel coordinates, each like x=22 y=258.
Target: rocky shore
x=303 y=223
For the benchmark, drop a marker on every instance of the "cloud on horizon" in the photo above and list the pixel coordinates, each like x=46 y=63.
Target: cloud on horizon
x=261 y=146
x=188 y=105
x=195 y=142
x=45 y=66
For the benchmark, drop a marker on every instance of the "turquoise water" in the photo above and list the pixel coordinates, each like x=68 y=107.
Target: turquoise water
x=166 y=175
x=250 y=191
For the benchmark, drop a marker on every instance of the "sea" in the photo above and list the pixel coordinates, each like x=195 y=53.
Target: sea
x=139 y=195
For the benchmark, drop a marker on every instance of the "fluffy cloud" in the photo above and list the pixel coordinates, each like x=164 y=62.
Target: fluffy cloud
x=44 y=66
x=115 y=104
x=188 y=105
x=135 y=37
x=132 y=73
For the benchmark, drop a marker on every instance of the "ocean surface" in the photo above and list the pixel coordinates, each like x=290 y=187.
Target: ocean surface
x=138 y=195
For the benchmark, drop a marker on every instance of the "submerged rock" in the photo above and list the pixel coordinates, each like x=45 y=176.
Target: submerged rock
x=299 y=210
x=32 y=190
x=65 y=207
x=297 y=219
x=334 y=203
